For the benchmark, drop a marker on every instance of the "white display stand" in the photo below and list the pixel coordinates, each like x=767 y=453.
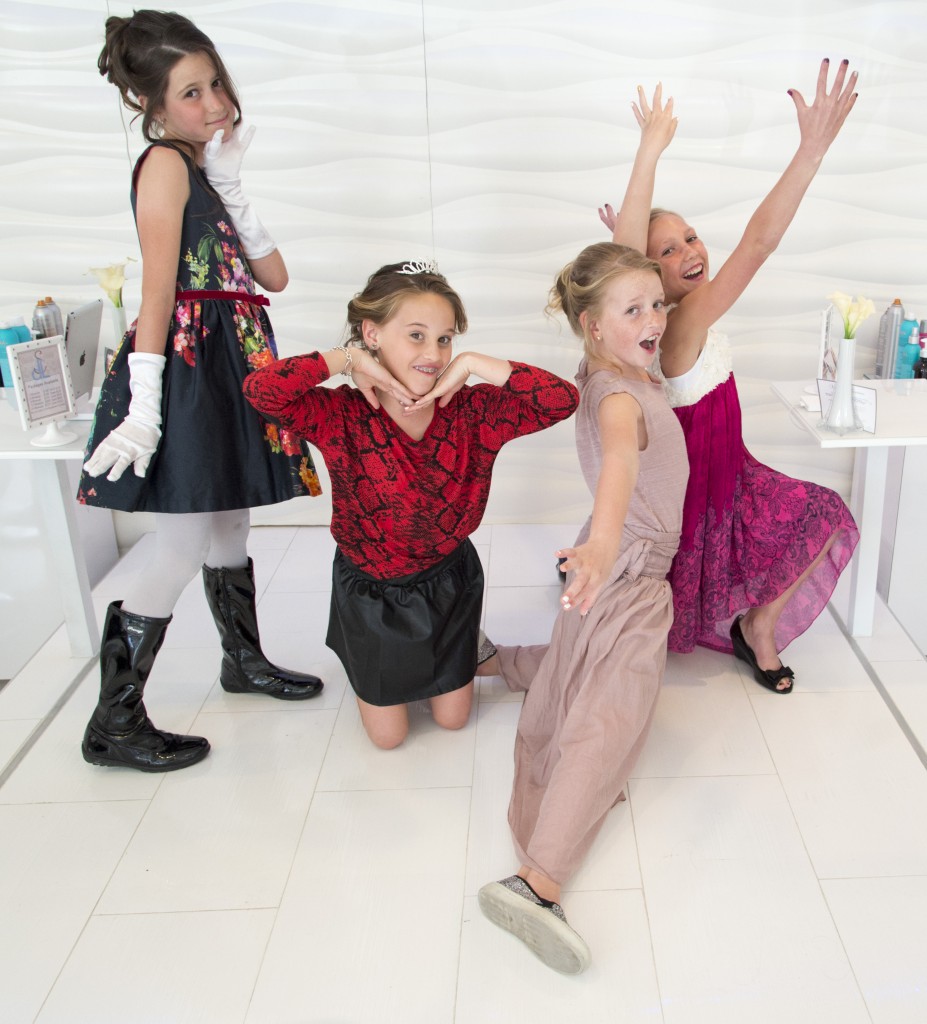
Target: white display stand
x=901 y=422
x=70 y=533
x=903 y=567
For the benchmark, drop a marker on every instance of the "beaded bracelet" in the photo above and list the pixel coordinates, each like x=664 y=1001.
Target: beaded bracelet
x=348 y=360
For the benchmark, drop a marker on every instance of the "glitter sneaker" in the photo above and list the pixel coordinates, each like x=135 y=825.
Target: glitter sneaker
x=540 y=924
x=485 y=648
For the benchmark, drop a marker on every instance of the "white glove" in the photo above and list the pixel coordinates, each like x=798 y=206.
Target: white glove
x=223 y=169
x=136 y=439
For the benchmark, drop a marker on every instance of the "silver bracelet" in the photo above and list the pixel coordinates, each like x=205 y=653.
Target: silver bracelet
x=348 y=360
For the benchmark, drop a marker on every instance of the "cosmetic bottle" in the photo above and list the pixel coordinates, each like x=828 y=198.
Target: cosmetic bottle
x=887 y=346
x=7 y=337
x=920 y=367
x=12 y=332
x=909 y=349
x=57 y=321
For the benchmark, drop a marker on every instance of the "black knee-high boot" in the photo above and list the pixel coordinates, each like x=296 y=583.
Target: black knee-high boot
x=119 y=733
x=231 y=597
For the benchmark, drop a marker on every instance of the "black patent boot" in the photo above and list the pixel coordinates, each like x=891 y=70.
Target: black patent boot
x=231 y=597
x=120 y=734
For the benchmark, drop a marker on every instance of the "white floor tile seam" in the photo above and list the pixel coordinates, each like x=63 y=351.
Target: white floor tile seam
x=843 y=945
x=130 y=914
x=388 y=789
x=646 y=904
x=79 y=935
x=918 y=743
x=22 y=751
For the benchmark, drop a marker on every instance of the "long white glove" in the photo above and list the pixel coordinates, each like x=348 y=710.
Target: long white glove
x=136 y=439
x=223 y=169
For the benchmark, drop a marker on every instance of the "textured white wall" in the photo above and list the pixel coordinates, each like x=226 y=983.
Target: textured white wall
x=486 y=132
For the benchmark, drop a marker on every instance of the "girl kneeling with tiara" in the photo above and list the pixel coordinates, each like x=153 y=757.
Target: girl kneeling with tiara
x=410 y=452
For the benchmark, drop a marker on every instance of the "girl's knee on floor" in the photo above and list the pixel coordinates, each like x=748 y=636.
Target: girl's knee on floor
x=452 y=710
x=386 y=727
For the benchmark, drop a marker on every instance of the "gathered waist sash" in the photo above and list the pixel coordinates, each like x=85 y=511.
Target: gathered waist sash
x=252 y=300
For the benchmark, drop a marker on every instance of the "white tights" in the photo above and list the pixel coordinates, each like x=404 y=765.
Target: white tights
x=182 y=544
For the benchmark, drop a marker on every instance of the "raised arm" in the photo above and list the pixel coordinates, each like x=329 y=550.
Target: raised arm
x=819 y=125
x=658 y=126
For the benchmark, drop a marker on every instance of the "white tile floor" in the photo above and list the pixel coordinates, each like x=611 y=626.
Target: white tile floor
x=770 y=864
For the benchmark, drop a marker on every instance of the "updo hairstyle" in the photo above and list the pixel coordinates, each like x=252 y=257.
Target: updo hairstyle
x=387 y=288
x=580 y=287
x=140 y=52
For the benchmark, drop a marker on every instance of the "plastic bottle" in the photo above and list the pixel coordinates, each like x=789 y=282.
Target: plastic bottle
x=12 y=332
x=909 y=349
x=887 y=348
x=7 y=337
x=920 y=367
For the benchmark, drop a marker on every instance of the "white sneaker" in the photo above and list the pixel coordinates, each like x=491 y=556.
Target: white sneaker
x=540 y=924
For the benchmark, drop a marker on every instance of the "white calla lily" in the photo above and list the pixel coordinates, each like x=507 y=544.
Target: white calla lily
x=112 y=278
x=852 y=311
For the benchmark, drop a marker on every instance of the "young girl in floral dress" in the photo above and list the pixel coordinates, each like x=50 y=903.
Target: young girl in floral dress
x=171 y=405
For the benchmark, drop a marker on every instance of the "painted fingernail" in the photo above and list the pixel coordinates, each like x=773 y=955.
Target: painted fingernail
x=827 y=60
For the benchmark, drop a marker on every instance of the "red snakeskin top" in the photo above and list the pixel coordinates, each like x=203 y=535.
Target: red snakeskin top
x=400 y=505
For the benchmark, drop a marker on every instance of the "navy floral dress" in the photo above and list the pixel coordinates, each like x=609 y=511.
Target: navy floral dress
x=216 y=452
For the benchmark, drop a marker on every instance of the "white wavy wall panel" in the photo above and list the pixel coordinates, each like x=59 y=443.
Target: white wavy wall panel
x=487 y=132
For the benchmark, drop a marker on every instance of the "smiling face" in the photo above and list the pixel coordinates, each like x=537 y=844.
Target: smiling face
x=680 y=253
x=415 y=343
x=195 y=104
x=630 y=323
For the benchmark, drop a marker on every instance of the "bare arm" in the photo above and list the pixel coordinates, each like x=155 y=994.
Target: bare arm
x=620 y=422
x=819 y=124
x=270 y=272
x=163 y=189
x=658 y=126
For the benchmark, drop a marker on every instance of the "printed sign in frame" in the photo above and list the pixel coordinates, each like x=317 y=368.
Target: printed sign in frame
x=42 y=379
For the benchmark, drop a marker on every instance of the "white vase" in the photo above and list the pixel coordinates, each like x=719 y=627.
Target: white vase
x=118 y=314
x=841 y=416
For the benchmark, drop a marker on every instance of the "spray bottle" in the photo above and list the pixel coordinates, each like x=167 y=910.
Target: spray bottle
x=887 y=347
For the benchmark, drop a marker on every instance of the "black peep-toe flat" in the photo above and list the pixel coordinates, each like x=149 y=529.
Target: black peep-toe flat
x=770 y=678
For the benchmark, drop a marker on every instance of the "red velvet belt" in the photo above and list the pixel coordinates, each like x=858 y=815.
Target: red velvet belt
x=253 y=300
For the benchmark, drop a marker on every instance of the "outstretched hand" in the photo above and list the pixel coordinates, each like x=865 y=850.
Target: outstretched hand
x=608 y=217
x=820 y=122
x=590 y=564
x=658 y=126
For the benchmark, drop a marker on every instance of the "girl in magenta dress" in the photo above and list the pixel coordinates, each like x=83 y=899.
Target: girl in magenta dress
x=760 y=553
x=410 y=453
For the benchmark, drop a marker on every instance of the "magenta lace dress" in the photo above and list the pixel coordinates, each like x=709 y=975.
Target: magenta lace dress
x=748 y=532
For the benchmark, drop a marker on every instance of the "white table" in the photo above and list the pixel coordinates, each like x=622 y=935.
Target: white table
x=58 y=503
x=901 y=420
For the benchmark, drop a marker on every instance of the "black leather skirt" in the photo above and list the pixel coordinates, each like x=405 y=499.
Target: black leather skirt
x=408 y=638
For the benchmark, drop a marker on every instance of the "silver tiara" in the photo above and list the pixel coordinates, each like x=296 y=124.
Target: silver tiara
x=419 y=267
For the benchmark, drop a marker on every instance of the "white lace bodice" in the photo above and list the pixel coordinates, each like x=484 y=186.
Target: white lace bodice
x=713 y=367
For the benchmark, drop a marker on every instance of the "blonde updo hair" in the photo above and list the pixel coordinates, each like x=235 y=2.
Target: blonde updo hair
x=580 y=287
x=386 y=288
